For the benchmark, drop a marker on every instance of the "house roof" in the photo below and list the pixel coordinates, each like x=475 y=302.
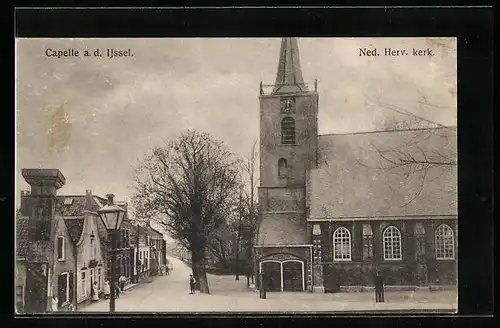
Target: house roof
x=281 y=230
x=72 y=208
x=74 y=205
x=353 y=179
x=22 y=236
x=154 y=233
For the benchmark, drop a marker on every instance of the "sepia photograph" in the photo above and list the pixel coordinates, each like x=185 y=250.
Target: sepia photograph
x=219 y=175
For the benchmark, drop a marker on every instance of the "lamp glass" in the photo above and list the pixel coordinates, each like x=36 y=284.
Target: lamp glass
x=111 y=216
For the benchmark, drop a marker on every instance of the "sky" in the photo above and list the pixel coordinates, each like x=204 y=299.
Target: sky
x=93 y=118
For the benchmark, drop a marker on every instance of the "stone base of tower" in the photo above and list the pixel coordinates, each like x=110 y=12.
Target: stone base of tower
x=318 y=289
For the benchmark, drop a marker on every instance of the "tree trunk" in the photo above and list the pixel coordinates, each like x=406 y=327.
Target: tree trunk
x=199 y=273
x=237 y=266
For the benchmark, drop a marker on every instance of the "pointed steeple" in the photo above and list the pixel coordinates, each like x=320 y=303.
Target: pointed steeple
x=289 y=76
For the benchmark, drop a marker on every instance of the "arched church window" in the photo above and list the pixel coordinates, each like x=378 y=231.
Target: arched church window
x=392 y=243
x=444 y=243
x=288 y=131
x=282 y=166
x=341 y=245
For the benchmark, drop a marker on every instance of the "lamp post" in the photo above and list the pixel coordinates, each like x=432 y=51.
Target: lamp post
x=112 y=217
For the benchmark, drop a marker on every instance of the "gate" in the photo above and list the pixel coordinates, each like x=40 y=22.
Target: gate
x=292 y=276
x=273 y=271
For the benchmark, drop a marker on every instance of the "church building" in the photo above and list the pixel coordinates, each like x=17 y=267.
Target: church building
x=334 y=208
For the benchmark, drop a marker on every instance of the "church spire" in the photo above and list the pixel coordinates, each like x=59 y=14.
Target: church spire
x=289 y=76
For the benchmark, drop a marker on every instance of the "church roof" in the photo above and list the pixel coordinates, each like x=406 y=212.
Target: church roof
x=289 y=75
x=353 y=180
x=280 y=230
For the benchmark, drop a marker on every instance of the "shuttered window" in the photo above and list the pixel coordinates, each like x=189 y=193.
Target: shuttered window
x=288 y=131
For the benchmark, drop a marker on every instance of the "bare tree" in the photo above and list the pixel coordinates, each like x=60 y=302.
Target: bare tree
x=423 y=146
x=190 y=183
x=249 y=170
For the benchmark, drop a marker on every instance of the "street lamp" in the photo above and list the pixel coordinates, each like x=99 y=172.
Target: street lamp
x=112 y=217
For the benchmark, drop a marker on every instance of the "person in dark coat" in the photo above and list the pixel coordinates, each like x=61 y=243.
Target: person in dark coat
x=379 y=286
x=117 y=289
x=192 y=284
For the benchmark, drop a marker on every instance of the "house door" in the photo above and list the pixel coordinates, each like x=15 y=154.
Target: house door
x=92 y=277
x=273 y=272
x=292 y=276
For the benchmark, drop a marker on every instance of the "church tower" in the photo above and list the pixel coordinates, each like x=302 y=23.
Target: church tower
x=288 y=150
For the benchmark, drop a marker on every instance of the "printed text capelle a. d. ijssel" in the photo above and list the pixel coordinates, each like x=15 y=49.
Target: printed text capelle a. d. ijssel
x=73 y=52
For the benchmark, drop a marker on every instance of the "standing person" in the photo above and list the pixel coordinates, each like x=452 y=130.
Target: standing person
x=378 y=286
x=117 y=288
x=122 y=280
x=107 y=289
x=54 y=304
x=192 y=284
x=95 y=292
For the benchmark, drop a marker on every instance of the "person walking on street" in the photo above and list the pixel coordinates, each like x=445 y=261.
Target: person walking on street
x=55 y=304
x=117 y=289
x=122 y=280
x=192 y=284
x=107 y=289
x=95 y=292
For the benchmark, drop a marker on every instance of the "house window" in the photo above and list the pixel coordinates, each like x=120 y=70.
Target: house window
x=444 y=243
x=60 y=248
x=288 y=131
x=91 y=282
x=99 y=278
x=282 y=165
x=392 y=243
x=92 y=247
x=63 y=289
x=341 y=245
x=84 y=284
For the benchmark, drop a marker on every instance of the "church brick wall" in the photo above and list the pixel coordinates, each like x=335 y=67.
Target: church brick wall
x=418 y=266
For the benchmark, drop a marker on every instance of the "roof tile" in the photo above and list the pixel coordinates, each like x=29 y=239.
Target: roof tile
x=22 y=241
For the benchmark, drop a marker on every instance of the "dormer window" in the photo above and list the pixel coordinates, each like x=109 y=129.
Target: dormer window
x=288 y=131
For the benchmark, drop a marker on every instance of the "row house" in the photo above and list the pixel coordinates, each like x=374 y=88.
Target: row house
x=45 y=253
x=140 y=251
x=158 y=247
x=62 y=247
x=123 y=249
x=81 y=219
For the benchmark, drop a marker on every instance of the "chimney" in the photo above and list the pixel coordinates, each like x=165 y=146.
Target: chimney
x=44 y=181
x=89 y=201
x=110 y=198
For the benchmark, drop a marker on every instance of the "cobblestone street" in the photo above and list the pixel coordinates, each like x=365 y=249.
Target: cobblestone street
x=170 y=294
